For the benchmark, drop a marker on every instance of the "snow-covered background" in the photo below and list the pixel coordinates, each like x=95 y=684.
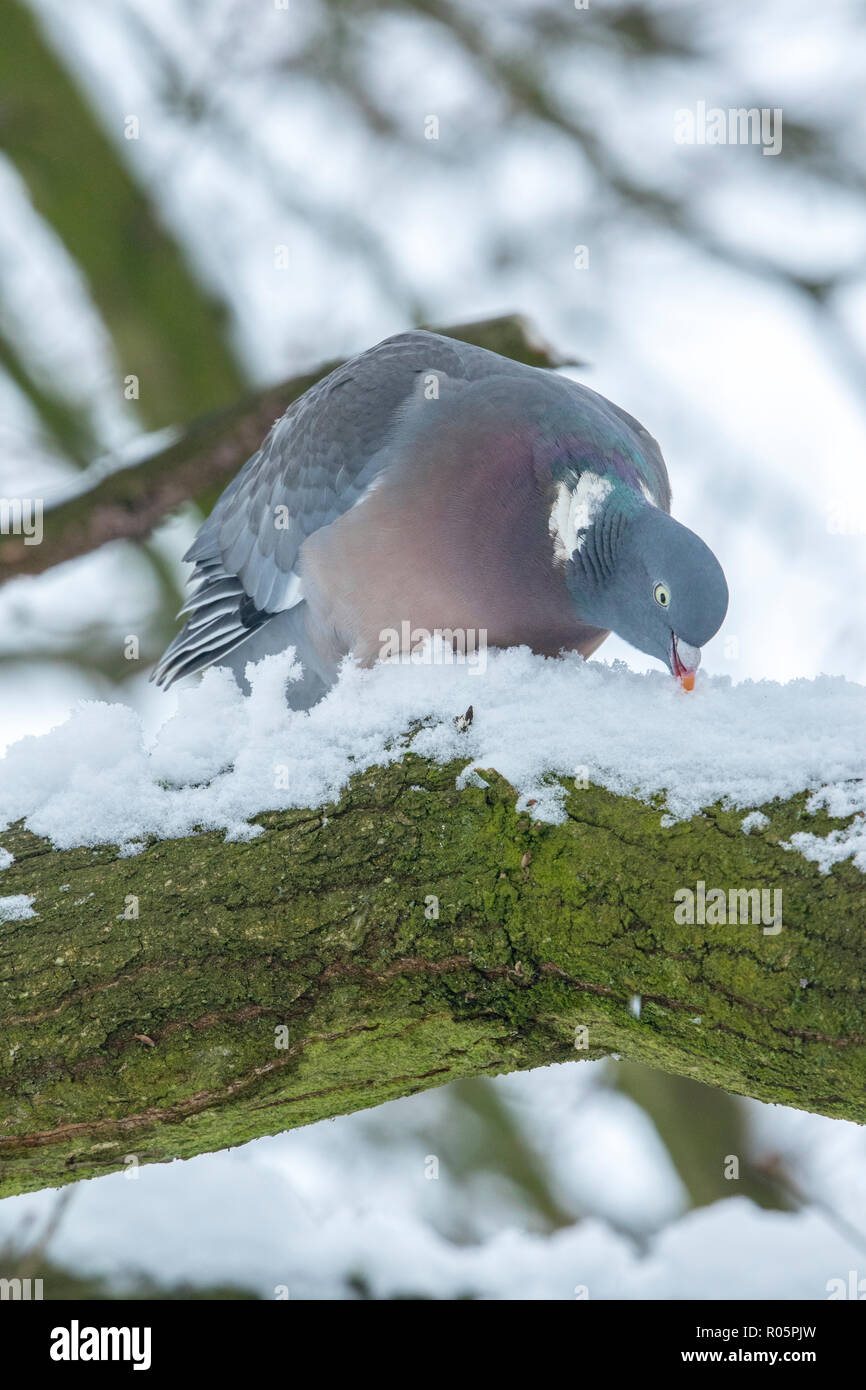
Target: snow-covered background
x=722 y=305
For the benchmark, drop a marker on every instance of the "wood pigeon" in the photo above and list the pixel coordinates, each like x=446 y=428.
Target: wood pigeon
x=429 y=485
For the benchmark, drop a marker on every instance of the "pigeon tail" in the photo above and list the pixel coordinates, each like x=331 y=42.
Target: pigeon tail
x=222 y=617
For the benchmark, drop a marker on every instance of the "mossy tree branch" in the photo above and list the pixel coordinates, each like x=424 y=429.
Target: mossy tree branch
x=304 y=974
x=128 y=503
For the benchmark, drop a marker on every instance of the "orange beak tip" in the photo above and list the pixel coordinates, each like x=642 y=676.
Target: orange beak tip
x=687 y=680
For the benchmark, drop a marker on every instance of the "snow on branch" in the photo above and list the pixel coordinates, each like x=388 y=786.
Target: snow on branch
x=262 y=917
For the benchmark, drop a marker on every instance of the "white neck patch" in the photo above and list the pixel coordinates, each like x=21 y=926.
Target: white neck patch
x=574 y=510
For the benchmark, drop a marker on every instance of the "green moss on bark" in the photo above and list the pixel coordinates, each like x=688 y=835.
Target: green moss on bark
x=138 y=1039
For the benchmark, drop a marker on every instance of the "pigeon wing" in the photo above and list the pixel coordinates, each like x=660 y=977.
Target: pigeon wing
x=315 y=464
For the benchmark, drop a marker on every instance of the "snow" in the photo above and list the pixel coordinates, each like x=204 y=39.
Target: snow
x=223 y=757
x=842 y=800
x=16 y=908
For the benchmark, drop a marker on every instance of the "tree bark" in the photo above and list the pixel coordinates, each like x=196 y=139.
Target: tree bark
x=408 y=935
x=129 y=503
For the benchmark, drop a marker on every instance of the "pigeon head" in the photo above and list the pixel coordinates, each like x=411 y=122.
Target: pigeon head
x=649 y=579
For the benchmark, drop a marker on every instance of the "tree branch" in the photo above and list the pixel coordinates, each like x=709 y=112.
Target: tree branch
x=129 y=503
x=305 y=974
x=164 y=325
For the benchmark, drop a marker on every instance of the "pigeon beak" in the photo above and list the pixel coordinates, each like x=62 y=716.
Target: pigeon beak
x=684 y=661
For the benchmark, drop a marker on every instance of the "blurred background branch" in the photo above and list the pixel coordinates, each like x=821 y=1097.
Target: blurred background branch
x=128 y=503
x=163 y=324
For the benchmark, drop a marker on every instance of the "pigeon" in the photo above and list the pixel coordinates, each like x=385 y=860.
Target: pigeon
x=431 y=486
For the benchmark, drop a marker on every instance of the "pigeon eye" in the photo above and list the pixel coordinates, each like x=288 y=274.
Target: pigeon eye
x=662 y=594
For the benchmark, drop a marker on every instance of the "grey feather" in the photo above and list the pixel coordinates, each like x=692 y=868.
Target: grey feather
x=316 y=463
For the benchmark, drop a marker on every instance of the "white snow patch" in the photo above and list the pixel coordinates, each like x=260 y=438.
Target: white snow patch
x=16 y=908
x=842 y=799
x=223 y=757
x=6 y=858
x=755 y=820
